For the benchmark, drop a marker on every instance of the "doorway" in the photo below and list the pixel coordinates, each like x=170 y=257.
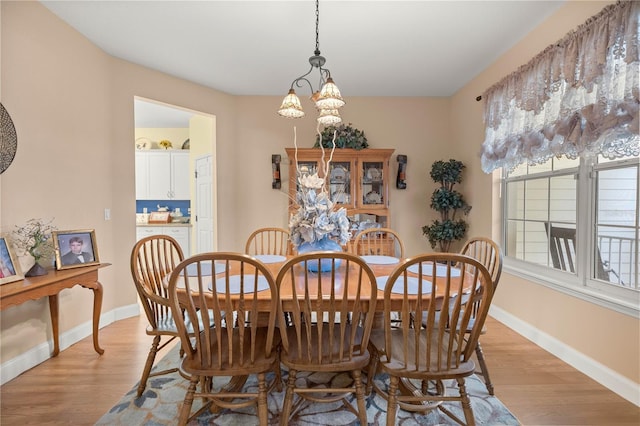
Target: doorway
x=188 y=131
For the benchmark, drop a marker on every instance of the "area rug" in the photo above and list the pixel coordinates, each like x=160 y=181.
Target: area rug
x=161 y=401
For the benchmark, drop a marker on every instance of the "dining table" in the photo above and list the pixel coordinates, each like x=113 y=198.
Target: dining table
x=382 y=267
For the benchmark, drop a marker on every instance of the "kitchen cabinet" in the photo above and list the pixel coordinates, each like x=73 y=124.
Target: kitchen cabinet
x=162 y=175
x=181 y=233
x=357 y=180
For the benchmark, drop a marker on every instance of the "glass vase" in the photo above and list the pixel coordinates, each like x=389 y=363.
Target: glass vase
x=325 y=244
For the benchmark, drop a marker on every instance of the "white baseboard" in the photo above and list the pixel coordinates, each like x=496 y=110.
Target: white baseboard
x=602 y=374
x=38 y=354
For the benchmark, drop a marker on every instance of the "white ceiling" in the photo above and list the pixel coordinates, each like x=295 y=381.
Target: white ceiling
x=154 y=115
x=373 y=48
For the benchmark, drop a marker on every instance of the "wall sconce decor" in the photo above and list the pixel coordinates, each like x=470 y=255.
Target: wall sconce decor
x=8 y=140
x=401 y=180
x=275 y=171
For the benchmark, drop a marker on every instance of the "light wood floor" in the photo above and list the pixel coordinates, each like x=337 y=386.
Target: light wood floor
x=78 y=386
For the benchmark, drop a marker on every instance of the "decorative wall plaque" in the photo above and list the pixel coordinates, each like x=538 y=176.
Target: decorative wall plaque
x=8 y=140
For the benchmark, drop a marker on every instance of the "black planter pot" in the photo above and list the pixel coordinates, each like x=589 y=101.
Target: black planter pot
x=36 y=270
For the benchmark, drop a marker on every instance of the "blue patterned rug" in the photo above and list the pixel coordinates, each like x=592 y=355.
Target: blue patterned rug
x=161 y=401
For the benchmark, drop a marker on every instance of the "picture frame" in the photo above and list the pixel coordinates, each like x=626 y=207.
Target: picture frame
x=75 y=249
x=9 y=266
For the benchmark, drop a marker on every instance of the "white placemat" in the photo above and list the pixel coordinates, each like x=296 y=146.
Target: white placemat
x=192 y=269
x=381 y=260
x=234 y=284
x=398 y=286
x=427 y=269
x=270 y=258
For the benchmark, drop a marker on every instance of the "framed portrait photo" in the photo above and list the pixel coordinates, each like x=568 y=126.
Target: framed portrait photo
x=9 y=267
x=75 y=249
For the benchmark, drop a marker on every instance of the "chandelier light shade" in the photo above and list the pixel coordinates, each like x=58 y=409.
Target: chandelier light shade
x=327 y=98
x=291 y=107
x=329 y=117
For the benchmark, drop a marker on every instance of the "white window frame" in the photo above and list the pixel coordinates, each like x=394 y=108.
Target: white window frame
x=580 y=284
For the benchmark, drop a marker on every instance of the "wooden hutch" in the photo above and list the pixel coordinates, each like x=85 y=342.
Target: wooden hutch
x=357 y=180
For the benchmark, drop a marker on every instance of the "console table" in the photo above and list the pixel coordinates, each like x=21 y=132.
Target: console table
x=33 y=288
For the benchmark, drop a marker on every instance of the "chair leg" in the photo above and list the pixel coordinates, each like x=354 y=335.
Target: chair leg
x=288 y=399
x=263 y=413
x=362 y=408
x=148 y=365
x=188 y=401
x=483 y=368
x=466 y=402
x=392 y=403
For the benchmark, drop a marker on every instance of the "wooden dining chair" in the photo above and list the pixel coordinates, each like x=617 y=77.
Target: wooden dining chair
x=431 y=351
x=236 y=345
x=332 y=315
x=487 y=252
x=378 y=242
x=269 y=241
x=152 y=260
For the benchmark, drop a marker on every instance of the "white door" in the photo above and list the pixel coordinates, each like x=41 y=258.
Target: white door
x=204 y=205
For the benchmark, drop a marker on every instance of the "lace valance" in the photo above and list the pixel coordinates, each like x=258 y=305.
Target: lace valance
x=578 y=97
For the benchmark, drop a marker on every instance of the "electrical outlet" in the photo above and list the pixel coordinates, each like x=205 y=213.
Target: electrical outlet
x=107 y=214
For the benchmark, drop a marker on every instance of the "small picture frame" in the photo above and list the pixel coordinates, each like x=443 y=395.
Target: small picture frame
x=75 y=249
x=159 y=217
x=9 y=267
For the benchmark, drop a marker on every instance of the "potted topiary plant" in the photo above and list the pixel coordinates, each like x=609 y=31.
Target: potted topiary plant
x=347 y=136
x=446 y=201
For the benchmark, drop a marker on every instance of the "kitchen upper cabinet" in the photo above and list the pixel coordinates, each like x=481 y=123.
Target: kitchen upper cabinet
x=162 y=175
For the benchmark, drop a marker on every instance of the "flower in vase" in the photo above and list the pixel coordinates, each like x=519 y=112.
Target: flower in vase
x=316 y=218
x=35 y=238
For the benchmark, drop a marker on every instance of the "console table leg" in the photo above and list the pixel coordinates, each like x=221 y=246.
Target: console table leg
x=97 y=307
x=53 y=310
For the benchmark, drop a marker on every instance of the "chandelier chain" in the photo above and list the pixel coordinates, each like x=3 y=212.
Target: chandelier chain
x=317 y=52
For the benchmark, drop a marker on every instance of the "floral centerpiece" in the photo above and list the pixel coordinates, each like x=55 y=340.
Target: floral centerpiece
x=317 y=224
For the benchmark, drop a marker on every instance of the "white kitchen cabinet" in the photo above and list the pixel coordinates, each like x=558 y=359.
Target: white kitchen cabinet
x=162 y=175
x=182 y=234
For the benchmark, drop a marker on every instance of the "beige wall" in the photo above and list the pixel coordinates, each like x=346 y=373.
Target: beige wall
x=58 y=93
x=605 y=336
x=73 y=110
x=72 y=106
x=417 y=127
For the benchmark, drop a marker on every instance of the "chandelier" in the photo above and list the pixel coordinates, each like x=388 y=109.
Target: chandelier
x=327 y=99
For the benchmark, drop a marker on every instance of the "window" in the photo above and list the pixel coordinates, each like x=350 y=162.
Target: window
x=575 y=224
